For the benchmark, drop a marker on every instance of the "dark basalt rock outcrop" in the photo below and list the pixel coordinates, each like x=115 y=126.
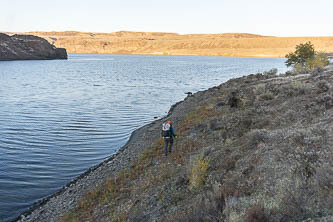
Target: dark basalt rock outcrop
x=28 y=47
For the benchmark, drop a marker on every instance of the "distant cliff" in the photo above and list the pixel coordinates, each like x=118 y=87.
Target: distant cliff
x=28 y=47
x=158 y=43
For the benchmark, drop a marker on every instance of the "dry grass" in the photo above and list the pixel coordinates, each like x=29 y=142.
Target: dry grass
x=115 y=188
x=198 y=172
x=142 y=175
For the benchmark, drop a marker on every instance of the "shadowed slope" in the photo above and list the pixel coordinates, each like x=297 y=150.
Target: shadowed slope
x=28 y=47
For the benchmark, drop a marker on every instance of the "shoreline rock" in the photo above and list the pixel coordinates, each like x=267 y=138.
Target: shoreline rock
x=28 y=47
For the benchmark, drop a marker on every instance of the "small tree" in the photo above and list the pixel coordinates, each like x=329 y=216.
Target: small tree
x=305 y=57
x=303 y=53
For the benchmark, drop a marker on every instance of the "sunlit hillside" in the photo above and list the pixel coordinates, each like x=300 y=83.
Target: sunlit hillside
x=229 y=44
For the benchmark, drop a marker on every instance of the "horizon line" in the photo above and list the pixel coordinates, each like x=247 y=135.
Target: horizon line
x=176 y=33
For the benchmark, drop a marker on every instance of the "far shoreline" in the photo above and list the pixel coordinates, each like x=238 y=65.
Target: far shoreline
x=189 y=55
x=163 y=43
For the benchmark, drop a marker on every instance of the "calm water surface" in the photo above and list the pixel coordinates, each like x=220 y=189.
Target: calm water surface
x=59 y=118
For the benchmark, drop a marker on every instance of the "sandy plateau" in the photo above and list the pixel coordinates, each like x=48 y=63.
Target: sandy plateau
x=155 y=43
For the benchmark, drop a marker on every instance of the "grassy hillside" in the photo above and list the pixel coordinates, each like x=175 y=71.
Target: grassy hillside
x=230 y=44
x=256 y=148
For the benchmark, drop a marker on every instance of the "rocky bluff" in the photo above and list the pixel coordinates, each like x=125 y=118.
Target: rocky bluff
x=28 y=47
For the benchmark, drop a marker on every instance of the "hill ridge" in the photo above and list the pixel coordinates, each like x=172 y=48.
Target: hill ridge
x=160 y=43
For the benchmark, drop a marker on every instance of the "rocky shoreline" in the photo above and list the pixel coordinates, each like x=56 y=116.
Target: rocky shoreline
x=28 y=47
x=65 y=199
x=263 y=145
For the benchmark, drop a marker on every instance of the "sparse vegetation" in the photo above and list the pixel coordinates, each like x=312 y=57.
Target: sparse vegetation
x=265 y=157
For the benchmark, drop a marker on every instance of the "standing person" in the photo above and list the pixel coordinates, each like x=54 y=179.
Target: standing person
x=168 y=133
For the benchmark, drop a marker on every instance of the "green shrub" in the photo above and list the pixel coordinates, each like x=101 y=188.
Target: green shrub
x=267 y=96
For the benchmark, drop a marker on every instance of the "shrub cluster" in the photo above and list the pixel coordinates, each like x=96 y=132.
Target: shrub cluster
x=305 y=57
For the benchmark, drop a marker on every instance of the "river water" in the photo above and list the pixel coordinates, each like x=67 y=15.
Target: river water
x=58 y=118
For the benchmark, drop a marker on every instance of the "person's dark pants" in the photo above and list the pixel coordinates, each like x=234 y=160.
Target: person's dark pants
x=168 y=143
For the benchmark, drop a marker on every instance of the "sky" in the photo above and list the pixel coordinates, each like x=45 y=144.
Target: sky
x=265 y=17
